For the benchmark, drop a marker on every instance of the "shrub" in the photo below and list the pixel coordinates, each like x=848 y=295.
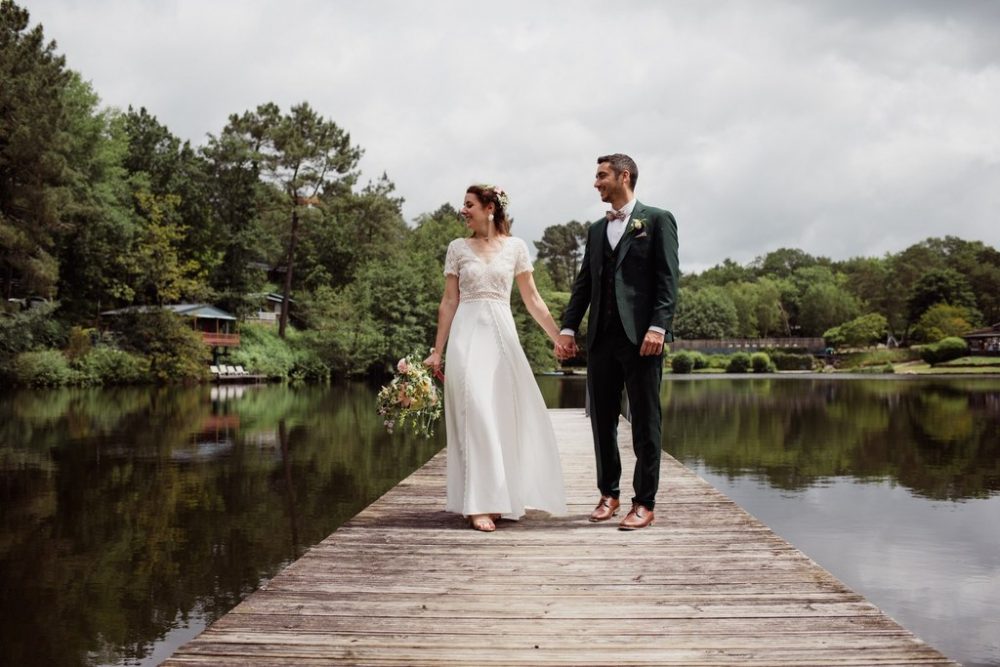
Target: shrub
x=874 y=370
x=309 y=366
x=80 y=342
x=859 y=332
x=944 y=320
x=944 y=350
x=699 y=360
x=27 y=331
x=878 y=357
x=785 y=361
x=834 y=337
x=175 y=351
x=760 y=362
x=739 y=363
x=263 y=352
x=109 y=365
x=47 y=368
x=720 y=361
x=682 y=363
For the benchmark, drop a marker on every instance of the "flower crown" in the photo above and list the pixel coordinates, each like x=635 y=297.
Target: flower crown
x=500 y=194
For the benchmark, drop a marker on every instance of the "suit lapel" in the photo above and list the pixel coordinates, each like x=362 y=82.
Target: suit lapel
x=597 y=247
x=623 y=245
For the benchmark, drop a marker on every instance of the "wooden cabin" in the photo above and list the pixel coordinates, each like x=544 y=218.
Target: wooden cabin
x=217 y=327
x=984 y=341
x=269 y=310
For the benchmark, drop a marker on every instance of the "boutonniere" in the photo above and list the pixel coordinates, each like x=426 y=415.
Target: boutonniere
x=636 y=225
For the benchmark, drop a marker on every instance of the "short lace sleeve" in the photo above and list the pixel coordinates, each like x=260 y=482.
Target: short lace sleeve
x=451 y=260
x=522 y=262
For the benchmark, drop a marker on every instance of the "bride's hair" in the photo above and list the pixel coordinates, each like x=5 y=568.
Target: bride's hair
x=494 y=194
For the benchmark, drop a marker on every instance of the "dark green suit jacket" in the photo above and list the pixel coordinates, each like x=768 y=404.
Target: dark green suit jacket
x=646 y=276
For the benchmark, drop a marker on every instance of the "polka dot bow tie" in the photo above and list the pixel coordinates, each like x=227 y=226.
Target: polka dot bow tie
x=615 y=215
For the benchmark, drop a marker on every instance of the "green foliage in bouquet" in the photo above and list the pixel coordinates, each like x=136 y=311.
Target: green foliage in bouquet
x=412 y=398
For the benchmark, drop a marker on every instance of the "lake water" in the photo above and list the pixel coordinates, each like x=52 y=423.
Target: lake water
x=131 y=518
x=892 y=485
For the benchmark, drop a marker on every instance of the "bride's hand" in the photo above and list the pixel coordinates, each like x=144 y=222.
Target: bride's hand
x=433 y=361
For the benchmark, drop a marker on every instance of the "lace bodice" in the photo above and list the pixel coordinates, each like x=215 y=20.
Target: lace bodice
x=491 y=280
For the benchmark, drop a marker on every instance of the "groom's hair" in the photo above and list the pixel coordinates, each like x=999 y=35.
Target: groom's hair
x=620 y=162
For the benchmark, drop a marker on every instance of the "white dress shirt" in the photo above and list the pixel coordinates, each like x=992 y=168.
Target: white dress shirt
x=615 y=231
x=616 y=228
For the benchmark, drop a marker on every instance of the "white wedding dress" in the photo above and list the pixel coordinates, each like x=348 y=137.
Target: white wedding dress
x=502 y=454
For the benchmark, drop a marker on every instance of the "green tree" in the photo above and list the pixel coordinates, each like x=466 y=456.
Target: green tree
x=705 y=313
x=865 y=277
x=744 y=296
x=826 y=305
x=984 y=278
x=27 y=331
x=939 y=286
x=159 y=163
x=942 y=320
x=99 y=225
x=859 y=332
x=770 y=315
x=160 y=275
x=434 y=231
x=32 y=144
x=783 y=262
x=301 y=154
x=348 y=231
x=236 y=195
x=175 y=351
x=721 y=275
x=905 y=270
x=561 y=248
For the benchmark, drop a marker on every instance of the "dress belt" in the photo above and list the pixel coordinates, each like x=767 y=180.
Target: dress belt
x=484 y=296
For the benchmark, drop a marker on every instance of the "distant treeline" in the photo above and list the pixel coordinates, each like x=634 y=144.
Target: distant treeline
x=103 y=208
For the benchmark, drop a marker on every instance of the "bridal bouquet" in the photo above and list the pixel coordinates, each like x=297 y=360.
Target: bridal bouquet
x=411 y=398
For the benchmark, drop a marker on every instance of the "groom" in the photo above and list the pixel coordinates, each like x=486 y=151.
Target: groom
x=628 y=280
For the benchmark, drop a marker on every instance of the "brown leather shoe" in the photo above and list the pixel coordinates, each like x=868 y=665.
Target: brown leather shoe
x=638 y=517
x=607 y=508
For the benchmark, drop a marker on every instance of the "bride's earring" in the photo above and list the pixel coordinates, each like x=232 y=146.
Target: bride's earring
x=491 y=217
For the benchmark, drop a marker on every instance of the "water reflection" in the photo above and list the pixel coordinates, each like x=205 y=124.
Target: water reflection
x=128 y=513
x=891 y=485
x=130 y=518
x=937 y=438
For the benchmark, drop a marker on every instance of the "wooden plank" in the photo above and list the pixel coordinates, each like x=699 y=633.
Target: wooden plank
x=405 y=583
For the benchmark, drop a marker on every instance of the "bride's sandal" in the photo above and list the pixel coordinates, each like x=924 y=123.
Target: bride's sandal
x=482 y=522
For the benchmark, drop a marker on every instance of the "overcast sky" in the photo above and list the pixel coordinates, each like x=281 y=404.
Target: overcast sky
x=842 y=128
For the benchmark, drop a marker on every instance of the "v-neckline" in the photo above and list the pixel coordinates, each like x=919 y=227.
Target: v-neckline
x=485 y=262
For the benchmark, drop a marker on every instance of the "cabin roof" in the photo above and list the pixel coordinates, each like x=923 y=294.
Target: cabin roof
x=988 y=332
x=203 y=311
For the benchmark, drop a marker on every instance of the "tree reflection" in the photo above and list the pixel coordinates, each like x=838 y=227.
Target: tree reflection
x=937 y=438
x=125 y=513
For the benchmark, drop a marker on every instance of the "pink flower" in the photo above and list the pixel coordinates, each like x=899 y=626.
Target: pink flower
x=402 y=366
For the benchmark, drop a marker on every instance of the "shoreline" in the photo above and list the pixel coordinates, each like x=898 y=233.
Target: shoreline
x=804 y=375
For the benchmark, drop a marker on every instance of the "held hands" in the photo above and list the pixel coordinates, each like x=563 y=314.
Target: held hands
x=565 y=347
x=652 y=344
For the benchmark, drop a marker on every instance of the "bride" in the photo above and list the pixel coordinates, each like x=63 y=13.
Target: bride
x=502 y=454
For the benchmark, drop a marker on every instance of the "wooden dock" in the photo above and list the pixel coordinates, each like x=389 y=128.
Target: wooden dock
x=404 y=583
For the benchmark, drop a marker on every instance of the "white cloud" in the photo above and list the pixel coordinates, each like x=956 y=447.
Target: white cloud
x=840 y=128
